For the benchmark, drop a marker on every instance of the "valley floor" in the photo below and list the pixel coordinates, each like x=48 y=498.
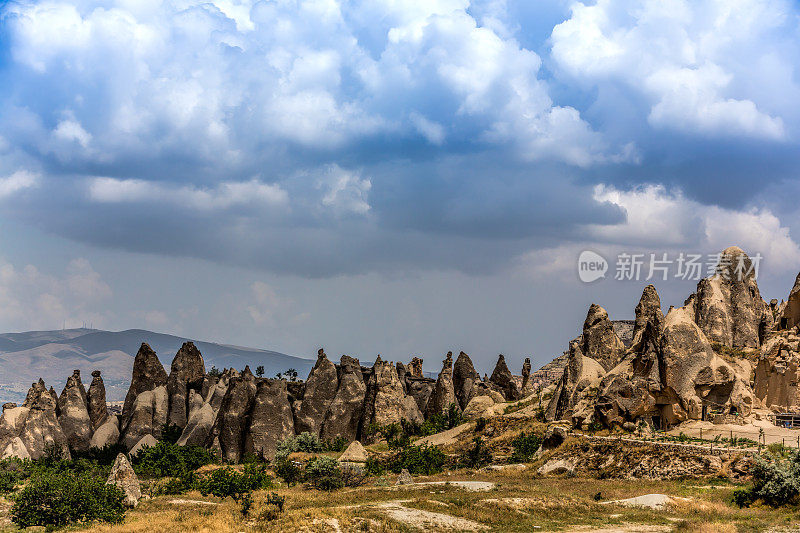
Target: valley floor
x=515 y=501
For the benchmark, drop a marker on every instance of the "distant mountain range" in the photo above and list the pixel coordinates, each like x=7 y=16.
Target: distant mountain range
x=53 y=355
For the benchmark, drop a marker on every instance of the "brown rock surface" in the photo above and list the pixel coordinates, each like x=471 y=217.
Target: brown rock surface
x=347 y=407
x=186 y=374
x=96 y=401
x=320 y=391
x=74 y=417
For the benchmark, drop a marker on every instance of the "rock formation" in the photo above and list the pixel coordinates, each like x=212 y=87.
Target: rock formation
x=444 y=393
x=503 y=381
x=230 y=427
x=96 y=401
x=671 y=371
x=465 y=379
x=186 y=375
x=320 y=391
x=347 y=408
x=729 y=308
x=148 y=374
x=790 y=316
x=271 y=419
x=415 y=367
x=35 y=424
x=599 y=341
x=73 y=415
x=124 y=478
x=386 y=402
x=581 y=374
x=526 y=377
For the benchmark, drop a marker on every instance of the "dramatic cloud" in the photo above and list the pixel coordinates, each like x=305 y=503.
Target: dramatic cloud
x=31 y=299
x=704 y=68
x=319 y=137
x=224 y=195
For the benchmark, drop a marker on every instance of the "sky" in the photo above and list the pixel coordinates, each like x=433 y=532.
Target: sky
x=387 y=177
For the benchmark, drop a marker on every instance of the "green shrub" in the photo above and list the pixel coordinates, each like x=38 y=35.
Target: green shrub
x=185 y=482
x=525 y=445
x=480 y=424
x=337 y=444
x=170 y=433
x=375 y=467
x=170 y=460
x=102 y=456
x=439 y=422
x=424 y=459
x=225 y=482
x=776 y=481
x=288 y=471
x=475 y=456
x=323 y=473
x=270 y=508
x=12 y=472
x=61 y=499
x=353 y=475
x=304 y=442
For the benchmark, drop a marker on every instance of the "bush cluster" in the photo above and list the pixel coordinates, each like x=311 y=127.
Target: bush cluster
x=227 y=482
x=476 y=456
x=525 y=446
x=424 y=459
x=170 y=460
x=304 y=442
x=58 y=499
x=776 y=481
x=323 y=473
x=12 y=472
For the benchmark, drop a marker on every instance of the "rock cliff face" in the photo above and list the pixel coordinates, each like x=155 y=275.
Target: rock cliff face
x=271 y=419
x=319 y=393
x=503 y=381
x=681 y=366
x=186 y=375
x=96 y=401
x=729 y=308
x=465 y=379
x=347 y=408
x=444 y=392
x=73 y=414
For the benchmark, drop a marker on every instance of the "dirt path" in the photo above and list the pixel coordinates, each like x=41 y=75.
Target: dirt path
x=445 y=438
x=426 y=520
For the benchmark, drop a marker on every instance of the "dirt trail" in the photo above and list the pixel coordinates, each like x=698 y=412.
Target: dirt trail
x=426 y=520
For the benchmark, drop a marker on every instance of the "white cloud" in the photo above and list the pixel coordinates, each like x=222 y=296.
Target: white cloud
x=240 y=75
x=666 y=220
x=345 y=191
x=223 y=196
x=16 y=182
x=31 y=299
x=701 y=65
x=269 y=309
x=72 y=131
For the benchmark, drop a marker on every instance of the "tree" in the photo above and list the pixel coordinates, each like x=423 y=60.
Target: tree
x=260 y=370
x=292 y=374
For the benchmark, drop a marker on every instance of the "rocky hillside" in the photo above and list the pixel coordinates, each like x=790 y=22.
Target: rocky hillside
x=719 y=356
x=25 y=357
x=236 y=413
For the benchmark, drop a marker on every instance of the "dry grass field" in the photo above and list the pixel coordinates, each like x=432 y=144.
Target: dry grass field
x=519 y=501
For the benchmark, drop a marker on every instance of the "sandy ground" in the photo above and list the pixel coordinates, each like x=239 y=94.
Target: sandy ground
x=772 y=433
x=426 y=519
x=470 y=486
x=445 y=438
